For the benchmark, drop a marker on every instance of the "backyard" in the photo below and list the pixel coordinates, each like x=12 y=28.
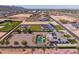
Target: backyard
x=72 y=41
x=7 y=26
x=35 y=28
x=58 y=27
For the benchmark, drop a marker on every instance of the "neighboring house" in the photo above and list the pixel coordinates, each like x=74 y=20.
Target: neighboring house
x=76 y=24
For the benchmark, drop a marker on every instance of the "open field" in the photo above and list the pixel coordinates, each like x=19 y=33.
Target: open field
x=20 y=16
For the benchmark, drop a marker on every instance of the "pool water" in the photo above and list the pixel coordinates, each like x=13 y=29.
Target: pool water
x=39 y=39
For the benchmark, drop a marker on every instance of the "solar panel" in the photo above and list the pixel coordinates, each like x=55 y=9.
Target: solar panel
x=50 y=27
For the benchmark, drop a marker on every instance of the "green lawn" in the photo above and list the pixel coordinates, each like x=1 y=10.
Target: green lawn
x=8 y=26
x=67 y=35
x=72 y=41
x=35 y=28
x=58 y=27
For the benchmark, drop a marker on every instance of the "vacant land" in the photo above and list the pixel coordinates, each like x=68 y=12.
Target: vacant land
x=21 y=15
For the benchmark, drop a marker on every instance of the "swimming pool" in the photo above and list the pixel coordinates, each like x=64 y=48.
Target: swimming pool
x=39 y=39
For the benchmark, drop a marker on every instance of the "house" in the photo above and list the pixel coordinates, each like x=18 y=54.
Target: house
x=76 y=25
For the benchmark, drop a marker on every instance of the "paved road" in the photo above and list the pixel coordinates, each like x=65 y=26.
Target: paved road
x=65 y=28
x=39 y=22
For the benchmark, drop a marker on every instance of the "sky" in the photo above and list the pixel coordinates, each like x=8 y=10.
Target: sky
x=50 y=6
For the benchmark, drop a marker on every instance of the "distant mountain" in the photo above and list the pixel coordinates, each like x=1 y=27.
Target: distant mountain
x=11 y=8
x=15 y=9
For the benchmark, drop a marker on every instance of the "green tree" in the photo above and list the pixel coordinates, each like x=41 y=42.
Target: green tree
x=2 y=42
x=29 y=30
x=67 y=35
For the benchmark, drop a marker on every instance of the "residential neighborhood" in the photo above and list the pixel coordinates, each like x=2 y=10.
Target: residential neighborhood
x=38 y=31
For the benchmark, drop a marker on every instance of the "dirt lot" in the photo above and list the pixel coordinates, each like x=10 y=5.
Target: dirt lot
x=20 y=16
x=20 y=37
x=26 y=37
x=68 y=18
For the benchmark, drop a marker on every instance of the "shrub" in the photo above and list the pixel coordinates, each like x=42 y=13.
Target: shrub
x=25 y=30
x=49 y=30
x=7 y=42
x=2 y=42
x=16 y=43
x=58 y=27
x=29 y=30
x=18 y=30
x=24 y=42
x=67 y=35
